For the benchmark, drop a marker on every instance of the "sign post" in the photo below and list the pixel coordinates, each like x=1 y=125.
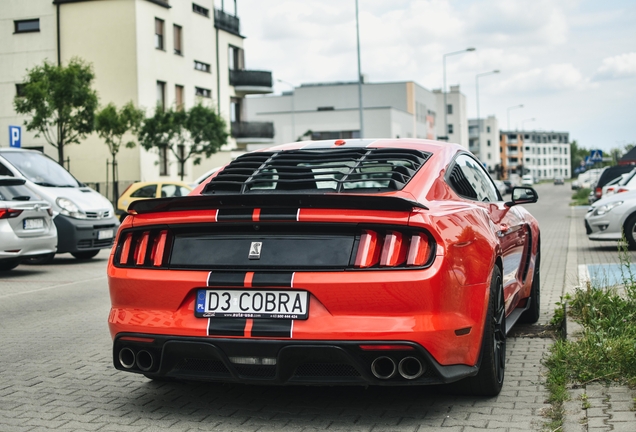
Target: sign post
x=15 y=136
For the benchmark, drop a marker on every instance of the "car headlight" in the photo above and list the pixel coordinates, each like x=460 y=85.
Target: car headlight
x=69 y=208
x=601 y=210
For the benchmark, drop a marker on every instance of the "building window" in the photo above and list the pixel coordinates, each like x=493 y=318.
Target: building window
x=203 y=67
x=488 y=156
x=199 y=91
x=325 y=108
x=200 y=10
x=235 y=110
x=236 y=58
x=449 y=109
x=26 y=26
x=488 y=129
x=161 y=95
x=178 y=97
x=19 y=90
x=488 y=143
x=178 y=40
x=158 y=33
x=450 y=128
x=163 y=161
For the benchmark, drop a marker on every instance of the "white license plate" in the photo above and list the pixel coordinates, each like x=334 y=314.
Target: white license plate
x=252 y=304
x=105 y=234
x=30 y=224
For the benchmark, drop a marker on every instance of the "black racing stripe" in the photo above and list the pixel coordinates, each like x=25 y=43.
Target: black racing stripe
x=278 y=214
x=227 y=327
x=234 y=214
x=225 y=279
x=272 y=279
x=272 y=328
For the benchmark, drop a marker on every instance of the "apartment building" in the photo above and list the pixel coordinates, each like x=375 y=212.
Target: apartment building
x=151 y=52
x=545 y=155
x=452 y=123
x=331 y=110
x=483 y=142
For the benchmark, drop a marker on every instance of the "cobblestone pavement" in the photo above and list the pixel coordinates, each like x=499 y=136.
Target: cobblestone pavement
x=596 y=407
x=56 y=368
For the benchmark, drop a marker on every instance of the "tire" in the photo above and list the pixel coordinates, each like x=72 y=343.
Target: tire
x=492 y=363
x=85 y=255
x=630 y=231
x=8 y=265
x=40 y=259
x=531 y=315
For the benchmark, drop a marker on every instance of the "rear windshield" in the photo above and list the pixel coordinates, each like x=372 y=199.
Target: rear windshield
x=40 y=169
x=319 y=171
x=17 y=193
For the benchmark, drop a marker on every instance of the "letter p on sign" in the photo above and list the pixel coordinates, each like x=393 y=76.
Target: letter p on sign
x=15 y=136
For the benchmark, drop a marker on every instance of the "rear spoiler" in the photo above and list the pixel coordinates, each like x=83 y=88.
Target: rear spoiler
x=331 y=201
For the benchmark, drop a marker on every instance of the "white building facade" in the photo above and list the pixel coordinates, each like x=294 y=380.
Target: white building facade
x=483 y=141
x=452 y=121
x=330 y=111
x=546 y=155
x=151 y=52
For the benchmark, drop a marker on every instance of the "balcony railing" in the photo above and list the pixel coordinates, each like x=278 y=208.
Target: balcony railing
x=250 y=78
x=251 y=130
x=227 y=22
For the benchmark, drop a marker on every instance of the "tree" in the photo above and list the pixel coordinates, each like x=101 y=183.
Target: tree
x=111 y=125
x=193 y=133
x=60 y=101
x=577 y=155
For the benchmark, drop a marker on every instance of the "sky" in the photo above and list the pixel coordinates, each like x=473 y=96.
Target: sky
x=570 y=63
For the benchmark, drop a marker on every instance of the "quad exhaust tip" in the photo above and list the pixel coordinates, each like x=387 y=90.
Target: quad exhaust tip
x=410 y=368
x=383 y=367
x=127 y=358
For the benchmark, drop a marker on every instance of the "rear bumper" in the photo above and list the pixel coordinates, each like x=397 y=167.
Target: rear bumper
x=296 y=362
x=24 y=247
x=78 y=235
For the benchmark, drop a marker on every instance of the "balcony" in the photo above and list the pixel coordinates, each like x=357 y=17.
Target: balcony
x=251 y=82
x=253 y=132
x=229 y=23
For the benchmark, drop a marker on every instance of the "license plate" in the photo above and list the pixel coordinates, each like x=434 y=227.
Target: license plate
x=105 y=234
x=252 y=304
x=33 y=224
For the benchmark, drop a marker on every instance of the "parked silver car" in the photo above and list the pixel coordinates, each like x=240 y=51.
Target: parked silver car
x=609 y=217
x=26 y=226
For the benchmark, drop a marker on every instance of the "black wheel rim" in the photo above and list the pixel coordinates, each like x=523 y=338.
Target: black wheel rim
x=499 y=336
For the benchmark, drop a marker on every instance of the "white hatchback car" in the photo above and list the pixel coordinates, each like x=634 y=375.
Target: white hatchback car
x=26 y=226
x=609 y=217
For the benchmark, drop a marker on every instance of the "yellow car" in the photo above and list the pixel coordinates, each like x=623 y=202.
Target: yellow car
x=145 y=190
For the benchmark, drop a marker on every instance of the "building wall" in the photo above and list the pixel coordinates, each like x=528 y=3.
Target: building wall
x=458 y=118
x=479 y=141
x=401 y=109
x=547 y=154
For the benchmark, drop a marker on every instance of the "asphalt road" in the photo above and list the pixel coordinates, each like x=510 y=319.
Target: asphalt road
x=56 y=371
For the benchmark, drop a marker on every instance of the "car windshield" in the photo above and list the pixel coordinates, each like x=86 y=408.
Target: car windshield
x=41 y=169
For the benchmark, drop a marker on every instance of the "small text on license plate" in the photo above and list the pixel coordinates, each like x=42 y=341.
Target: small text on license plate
x=33 y=223
x=105 y=234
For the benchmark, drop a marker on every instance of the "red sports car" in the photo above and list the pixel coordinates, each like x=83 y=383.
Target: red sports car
x=388 y=262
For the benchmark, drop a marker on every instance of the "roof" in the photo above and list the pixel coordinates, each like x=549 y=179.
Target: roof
x=630 y=156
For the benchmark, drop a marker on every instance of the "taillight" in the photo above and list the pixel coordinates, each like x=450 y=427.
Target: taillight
x=142 y=248
x=393 y=249
x=9 y=213
x=598 y=192
x=619 y=190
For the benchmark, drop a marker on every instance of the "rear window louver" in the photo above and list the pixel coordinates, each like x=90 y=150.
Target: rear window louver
x=460 y=183
x=319 y=171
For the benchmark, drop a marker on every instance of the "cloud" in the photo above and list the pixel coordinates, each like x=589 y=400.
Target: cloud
x=617 y=67
x=552 y=78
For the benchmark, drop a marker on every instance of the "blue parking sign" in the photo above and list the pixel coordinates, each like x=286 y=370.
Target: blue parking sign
x=15 y=136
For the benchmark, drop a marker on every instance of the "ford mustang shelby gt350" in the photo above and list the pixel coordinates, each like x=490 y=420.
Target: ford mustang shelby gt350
x=388 y=262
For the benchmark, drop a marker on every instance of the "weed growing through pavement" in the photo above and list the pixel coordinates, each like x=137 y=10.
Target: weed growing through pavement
x=606 y=349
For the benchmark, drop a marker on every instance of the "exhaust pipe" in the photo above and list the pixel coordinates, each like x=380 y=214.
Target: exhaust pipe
x=383 y=367
x=410 y=368
x=126 y=358
x=145 y=361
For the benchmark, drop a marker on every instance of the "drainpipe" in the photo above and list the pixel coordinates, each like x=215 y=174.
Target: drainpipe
x=218 y=74
x=59 y=55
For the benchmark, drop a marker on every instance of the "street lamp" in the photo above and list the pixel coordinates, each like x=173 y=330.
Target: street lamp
x=444 y=89
x=293 y=97
x=526 y=120
x=511 y=108
x=359 y=76
x=496 y=71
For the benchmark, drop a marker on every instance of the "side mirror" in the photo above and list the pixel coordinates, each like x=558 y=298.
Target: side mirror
x=523 y=195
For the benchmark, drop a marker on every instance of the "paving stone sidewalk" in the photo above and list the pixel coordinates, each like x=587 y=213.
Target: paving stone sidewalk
x=597 y=407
